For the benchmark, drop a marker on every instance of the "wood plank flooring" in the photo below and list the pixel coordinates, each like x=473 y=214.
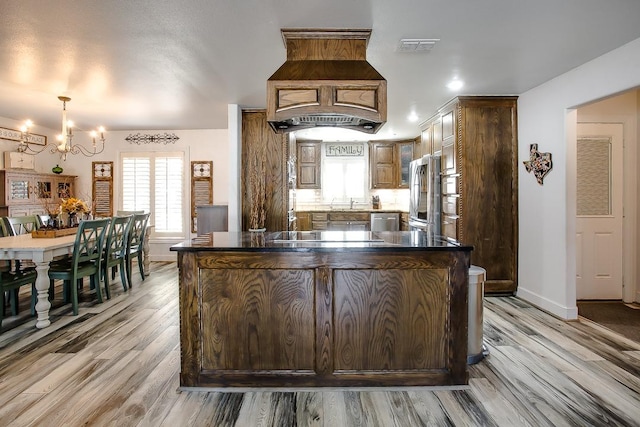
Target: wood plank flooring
x=117 y=364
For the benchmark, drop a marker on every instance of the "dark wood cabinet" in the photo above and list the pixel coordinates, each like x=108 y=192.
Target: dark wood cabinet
x=308 y=171
x=389 y=163
x=477 y=138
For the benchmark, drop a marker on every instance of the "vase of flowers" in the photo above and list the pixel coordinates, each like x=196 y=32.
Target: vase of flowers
x=72 y=207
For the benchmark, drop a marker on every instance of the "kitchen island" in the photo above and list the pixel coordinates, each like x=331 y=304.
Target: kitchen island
x=332 y=308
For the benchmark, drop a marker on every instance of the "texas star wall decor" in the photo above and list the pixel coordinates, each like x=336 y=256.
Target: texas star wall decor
x=540 y=163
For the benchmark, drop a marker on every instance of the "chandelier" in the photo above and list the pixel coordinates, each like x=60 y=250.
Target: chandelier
x=65 y=143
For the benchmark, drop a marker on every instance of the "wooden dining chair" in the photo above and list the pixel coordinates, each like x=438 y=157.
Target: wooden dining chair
x=86 y=260
x=135 y=244
x=115 y=251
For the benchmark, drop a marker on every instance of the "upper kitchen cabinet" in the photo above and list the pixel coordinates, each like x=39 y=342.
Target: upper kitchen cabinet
x=308 y=157
x=389 y=163
x=477 y=139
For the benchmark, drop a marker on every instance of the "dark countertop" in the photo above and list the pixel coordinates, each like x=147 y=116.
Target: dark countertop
x=319 y=241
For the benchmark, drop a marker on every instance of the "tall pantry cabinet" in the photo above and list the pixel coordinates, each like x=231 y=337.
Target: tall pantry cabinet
x=477 y=139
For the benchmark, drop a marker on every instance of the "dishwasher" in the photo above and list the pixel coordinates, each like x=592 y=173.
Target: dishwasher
x=385 y=221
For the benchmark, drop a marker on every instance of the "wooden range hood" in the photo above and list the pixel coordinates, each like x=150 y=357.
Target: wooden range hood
x=326 y=81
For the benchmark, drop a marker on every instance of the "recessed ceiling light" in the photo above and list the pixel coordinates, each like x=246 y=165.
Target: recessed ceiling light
x=413 y=117
x=455 y=84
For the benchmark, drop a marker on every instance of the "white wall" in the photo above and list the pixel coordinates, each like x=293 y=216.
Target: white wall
x=546 y=116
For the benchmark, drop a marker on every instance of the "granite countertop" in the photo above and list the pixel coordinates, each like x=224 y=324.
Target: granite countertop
x=319 y=241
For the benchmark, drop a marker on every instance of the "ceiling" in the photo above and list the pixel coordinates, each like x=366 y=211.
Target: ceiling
x=171 y=65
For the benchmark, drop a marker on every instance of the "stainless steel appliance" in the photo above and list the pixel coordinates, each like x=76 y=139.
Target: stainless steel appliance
x=385 y=221
x=212 y=218
x=425 y=194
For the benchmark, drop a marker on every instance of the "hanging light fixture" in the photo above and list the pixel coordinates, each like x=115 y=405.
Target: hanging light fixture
x=65 y=143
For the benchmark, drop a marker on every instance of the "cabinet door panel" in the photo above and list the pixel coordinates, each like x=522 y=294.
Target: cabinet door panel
x=406 y=155
x=19 y=190
x=308 y=165
x=448 y=159
x=437 y=137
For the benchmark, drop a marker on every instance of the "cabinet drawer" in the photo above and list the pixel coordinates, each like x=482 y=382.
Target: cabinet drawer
x=450 y=227
x=349 y=216
x=449 y=185
x=319 y=216
x=319 y=225
x=450 y=205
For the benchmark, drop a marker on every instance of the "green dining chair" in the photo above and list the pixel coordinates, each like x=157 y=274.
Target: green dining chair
x=135 y=243
x=10 y=284
x=12 y=281
x=23 y=224
x=86 y=260
x=115 y=251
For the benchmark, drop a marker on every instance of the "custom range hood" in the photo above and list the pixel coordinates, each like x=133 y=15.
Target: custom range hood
x=326 y=81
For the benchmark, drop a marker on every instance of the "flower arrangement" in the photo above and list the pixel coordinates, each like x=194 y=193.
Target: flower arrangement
x=73 y=206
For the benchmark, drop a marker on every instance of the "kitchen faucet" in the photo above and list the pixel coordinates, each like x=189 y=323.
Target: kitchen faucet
x=351 y=202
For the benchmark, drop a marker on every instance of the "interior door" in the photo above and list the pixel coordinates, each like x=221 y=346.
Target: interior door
x=599 y=211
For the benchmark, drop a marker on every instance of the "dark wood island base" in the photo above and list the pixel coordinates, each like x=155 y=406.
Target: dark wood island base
x=300 y=310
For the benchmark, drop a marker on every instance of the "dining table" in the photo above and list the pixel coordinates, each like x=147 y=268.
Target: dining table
x=41 y=251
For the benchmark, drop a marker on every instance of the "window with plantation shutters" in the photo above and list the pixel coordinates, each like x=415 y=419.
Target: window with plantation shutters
x=153 y=182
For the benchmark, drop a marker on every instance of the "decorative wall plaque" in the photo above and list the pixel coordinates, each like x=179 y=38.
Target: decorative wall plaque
x=344 y=150
x=16 y=135
x=540 y=163
x=156 y=138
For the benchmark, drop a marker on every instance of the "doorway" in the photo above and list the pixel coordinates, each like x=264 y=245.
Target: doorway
x=599 y=209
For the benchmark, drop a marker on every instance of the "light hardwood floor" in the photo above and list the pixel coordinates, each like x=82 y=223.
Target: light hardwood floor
x=117 y=364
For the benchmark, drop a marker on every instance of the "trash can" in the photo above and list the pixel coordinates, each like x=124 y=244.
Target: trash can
x=476 y=350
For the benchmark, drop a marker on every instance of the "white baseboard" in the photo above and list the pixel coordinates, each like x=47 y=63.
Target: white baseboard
x=565 y=313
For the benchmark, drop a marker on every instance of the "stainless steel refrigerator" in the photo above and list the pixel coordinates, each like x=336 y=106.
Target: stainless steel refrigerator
x=425 y=194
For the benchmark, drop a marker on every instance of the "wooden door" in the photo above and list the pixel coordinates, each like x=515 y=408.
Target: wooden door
x=599 y=255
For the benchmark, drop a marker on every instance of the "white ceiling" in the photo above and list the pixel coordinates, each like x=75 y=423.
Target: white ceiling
x=149 y=64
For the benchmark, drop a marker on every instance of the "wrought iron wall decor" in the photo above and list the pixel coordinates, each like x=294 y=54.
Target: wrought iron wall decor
x=148 y=138
x=540 y=163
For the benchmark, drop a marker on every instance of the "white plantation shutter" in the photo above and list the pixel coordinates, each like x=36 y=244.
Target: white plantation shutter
x=136 y=179
x=168 y=194
x=153 y=182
